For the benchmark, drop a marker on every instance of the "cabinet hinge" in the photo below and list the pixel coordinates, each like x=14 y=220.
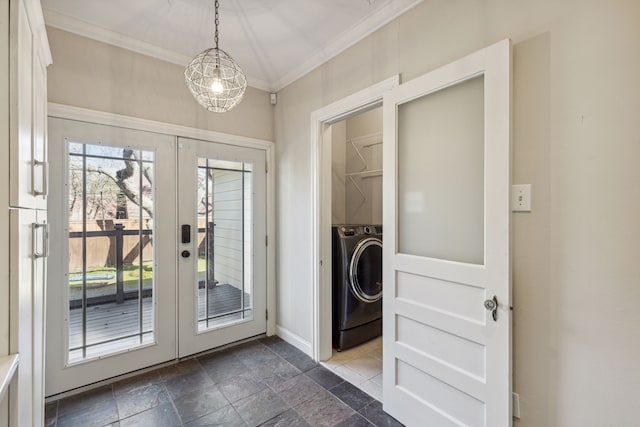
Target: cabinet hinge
x=266 y=240
x=266 y=314
x=266 y=167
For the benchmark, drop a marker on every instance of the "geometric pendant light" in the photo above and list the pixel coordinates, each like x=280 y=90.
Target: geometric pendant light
x=215 y=80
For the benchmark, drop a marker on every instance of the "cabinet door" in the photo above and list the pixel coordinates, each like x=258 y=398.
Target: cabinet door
x=39 y=161
x=29 y=250
x=40 y=236
x=28 y=164
x=22 y=291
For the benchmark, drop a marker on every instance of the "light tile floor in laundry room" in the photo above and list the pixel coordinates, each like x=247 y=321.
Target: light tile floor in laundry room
x=266 y=382
x=361 y=366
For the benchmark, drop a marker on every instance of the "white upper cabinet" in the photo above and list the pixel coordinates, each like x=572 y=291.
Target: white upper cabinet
x=29 y=57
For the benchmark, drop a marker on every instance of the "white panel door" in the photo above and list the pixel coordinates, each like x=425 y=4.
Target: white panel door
x=221 y=244
x=447 y=353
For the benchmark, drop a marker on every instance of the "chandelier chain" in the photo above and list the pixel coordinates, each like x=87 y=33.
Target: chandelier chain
x=217 y=22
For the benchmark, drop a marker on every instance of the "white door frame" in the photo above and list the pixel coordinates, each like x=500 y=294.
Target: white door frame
x=110 y=119
x=321 y=121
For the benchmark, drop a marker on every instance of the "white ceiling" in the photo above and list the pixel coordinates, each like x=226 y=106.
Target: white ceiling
x=274 y=41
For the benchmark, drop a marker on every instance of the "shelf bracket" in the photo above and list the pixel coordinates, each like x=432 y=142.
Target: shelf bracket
x=355 y=147
x=355 y=184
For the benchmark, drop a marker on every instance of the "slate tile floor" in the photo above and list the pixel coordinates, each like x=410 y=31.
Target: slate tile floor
x=266 y=382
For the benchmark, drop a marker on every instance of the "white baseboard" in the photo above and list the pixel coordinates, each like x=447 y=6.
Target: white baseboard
x=294 y=339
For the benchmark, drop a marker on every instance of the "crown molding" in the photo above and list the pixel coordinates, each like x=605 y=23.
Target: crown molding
x=92 y=31
x=95 y=32
x=370 y=23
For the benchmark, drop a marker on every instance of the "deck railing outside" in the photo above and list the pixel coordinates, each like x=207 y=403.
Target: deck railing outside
x=121 y=294
x=118 y=234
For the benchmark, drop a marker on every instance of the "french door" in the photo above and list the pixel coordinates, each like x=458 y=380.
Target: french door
x=447 y=319
x=112 y=267
x=222 y=267
x=122 y=266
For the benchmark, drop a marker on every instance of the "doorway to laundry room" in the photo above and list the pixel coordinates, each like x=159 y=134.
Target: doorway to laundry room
x=356 y=250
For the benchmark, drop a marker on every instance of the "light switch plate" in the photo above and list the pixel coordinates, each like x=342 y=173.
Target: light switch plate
x=521 y=198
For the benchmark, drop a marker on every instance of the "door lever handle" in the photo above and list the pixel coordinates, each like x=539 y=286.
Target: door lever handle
x=492 y=306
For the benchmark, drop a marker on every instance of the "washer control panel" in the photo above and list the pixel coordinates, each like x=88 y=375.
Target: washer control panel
x=358 y=230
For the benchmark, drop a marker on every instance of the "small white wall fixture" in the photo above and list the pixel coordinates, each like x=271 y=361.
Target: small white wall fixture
x=321 y=121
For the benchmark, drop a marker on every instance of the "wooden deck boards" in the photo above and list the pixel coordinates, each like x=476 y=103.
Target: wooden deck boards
x=111 y=321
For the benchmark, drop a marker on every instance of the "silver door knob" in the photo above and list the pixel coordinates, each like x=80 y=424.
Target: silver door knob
x=492 y=306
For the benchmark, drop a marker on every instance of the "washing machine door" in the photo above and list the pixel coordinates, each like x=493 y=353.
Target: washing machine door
x=365 y=270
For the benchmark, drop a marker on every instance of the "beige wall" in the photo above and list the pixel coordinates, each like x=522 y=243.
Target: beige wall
x=576 y=274
x=90 y=74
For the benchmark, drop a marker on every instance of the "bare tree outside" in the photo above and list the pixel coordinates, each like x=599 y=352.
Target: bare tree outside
x=109 y=178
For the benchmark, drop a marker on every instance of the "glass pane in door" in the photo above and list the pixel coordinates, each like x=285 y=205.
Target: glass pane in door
x=225 y=224
x=441 y=181
x=110 y=263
